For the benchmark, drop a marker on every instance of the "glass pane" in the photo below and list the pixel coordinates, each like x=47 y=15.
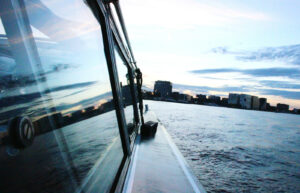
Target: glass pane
x=53 y=71
x=118 y=24
x=126 y=94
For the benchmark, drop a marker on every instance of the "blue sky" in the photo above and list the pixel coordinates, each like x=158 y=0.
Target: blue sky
x=207 y=46
x=216 y=47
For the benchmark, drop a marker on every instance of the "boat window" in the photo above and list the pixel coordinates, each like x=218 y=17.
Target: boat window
x=7 y=62
x=126 y=95
x=54 y=81
x=118 y=24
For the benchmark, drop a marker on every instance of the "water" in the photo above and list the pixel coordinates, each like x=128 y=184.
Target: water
x=61 y=160
x=233 y=150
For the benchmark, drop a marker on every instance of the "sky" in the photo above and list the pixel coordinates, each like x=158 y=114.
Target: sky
x=217 y=47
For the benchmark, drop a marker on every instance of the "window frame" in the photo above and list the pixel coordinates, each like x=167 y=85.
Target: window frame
x=112 y=41
x=126 y=57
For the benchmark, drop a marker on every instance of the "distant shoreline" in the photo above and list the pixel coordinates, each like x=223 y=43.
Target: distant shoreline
x=216 y=105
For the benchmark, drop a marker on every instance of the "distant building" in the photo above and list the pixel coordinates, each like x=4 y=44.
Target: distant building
x=296 y=111
x=224 y=101
x=233 y=99
x=282 y=107
x=189 y=97
x=215 y=99
x=270 y=108
x=255 y=103
x=163 y=88
x=182 y=98
x=246 y=101
x=201 y=98
x=262 y=104
x=148 y=94
x=175 y=95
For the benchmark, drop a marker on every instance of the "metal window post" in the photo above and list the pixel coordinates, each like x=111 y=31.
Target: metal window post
x=103 y=18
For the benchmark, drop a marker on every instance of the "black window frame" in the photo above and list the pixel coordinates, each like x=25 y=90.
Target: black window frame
x=127 y=59
x=111 y=41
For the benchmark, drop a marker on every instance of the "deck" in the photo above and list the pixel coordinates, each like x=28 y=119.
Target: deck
x=158 y=166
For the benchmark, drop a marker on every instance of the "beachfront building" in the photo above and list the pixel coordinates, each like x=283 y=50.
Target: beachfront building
x=246 y=101
x=182 y=97
x=233 y=99
x=163 y=88
x=262 y=104
x=224 y=101
x=296 y=111
x=175 y=95
x=201 y=98
x=189 y=98
x=282 y=107
x=255 y=103
x=214 y=99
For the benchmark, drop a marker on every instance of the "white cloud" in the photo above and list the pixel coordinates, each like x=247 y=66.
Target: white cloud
x=179 y=14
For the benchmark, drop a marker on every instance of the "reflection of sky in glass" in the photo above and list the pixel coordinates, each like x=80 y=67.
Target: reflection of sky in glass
x=74 y=53
x=6 y=63
x=122 y=72
x=1 y=27
x=118 y=24
x=66 y=86
x=71 y=52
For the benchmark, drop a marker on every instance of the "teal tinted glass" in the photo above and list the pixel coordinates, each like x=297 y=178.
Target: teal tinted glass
x=54 y=76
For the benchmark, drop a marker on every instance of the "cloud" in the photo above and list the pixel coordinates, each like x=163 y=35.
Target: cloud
x=85 y=102
x=220 y=50
x=206 y=89
x=282 y=93
x=51 y=24
x=7 y=65
x=289 y=54
x=214 y=70
x=25 y=98
x=182 y=87
x=198 y=14
x=266 y=72
x=238 y=89
x=259 y=72
x=279 y=84
x=213 y=78
x=71 y=86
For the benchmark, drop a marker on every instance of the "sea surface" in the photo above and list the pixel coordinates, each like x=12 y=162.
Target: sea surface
x=234 y=150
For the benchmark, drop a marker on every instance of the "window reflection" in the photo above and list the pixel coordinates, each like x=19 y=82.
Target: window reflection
x=126 y=95
x=53 y=70
x=117 y=23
